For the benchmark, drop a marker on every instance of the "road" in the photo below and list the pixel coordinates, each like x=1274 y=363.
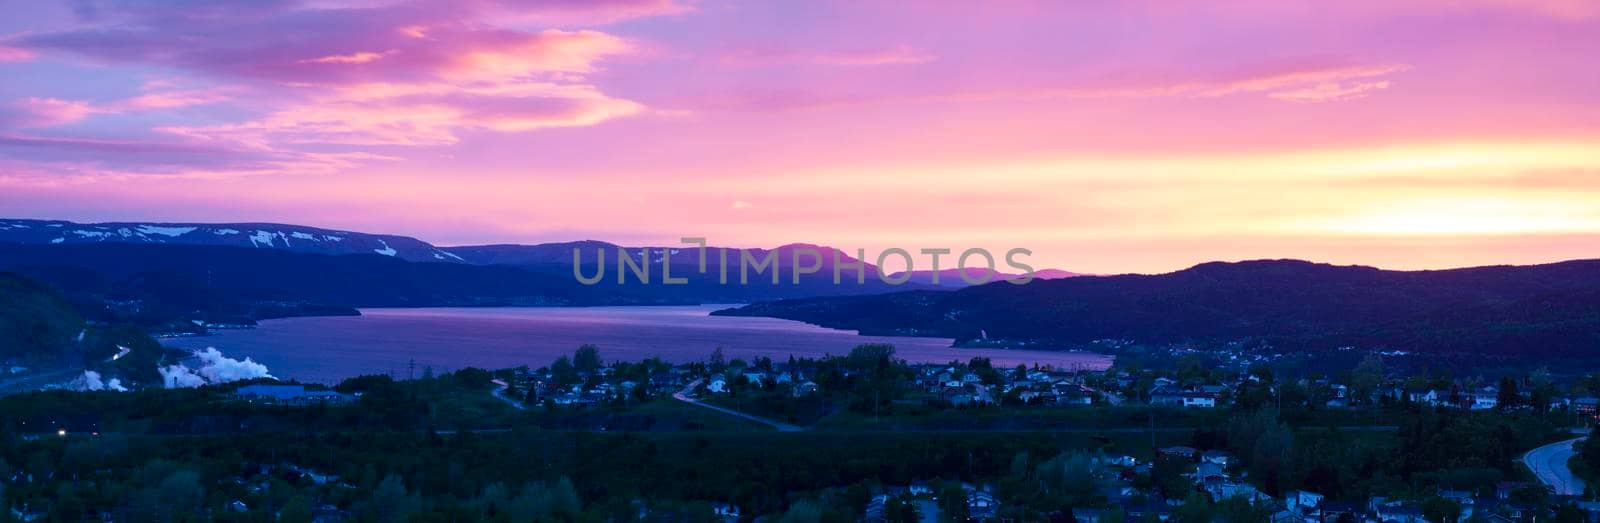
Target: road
x=32 y=381
x=682 y=396
x=1549 y=464
x=500 y=393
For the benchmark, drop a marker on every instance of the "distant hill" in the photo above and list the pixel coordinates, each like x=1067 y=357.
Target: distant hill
x=41 y=329
x=952 y=277
x=546 y=259
x=294 y=238
x=1529 y=310
x=715 y=285
x=146 y=283
x=35 y=320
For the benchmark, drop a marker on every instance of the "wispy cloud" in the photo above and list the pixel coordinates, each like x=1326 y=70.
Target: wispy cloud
x=14 y=54
x=1329 y=92
x=767 y=56
x=347 y=73
x=29 y=113
x=1302 y=81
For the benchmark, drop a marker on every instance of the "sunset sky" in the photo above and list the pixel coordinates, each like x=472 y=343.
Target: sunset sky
x=1132 y=136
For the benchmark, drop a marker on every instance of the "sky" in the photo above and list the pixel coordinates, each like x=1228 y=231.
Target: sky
x=1105 y=136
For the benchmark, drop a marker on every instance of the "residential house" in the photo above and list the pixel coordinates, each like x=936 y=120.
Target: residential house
x=809 y=387
x=1197 y=399
x=1187 y=453
x=1218 y=457
x=727 y=512
x=982 y=506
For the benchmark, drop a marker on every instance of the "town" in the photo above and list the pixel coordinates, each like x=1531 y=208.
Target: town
x=1197 y=440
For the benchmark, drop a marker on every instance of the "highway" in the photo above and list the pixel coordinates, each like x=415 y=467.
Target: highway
x=1549 y=464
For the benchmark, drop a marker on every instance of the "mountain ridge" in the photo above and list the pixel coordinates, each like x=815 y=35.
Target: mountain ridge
x=1534 y=309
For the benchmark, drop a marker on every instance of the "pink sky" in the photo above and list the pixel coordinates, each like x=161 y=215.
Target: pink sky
x=1131 y=136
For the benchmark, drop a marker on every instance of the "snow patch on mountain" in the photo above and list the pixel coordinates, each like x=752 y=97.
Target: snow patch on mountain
x=166 y=231
x=261 y=237
x=225 y=232
x=386 y=250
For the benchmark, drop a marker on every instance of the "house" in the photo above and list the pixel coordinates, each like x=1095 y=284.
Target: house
x=1209 y=471
x=1187 y=453
x=1587 y=408
x=1123 y=460
x=1300 y=499
x=1227 y=489
x=1218 y=457
x=238 y=506
x=1137 y=510
x=1504 y=489
x=1396 y=512
x=717 y=384
x=326 y=513
x=1204 y=400
x=876 y=509
x=1332 y=511
x=809 y=387
x=982 y=506
x=1166 y=395
x=727 y=512
x=1087 y=515
x=1485 y=398
x=1429 y=397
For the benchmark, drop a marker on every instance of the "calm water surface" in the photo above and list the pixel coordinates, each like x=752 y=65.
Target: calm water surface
x=382 y=341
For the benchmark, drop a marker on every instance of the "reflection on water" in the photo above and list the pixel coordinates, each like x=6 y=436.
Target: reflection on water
x=385 y=341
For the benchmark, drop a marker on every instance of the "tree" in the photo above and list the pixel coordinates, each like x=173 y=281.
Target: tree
x=1367 y=377
x=718 y=360
x=804 y=511
x=1589 y=450
x=1071 y=475
x=563 y=371
x=1195 y=509
x=587 y=358
x=391 y=501
x=181 y=493
x=869 y=357
x=953 y=502
x=542 y=501
x=1238 y=509
x=1509 y=397
x=297 y=510
x=1440 y=510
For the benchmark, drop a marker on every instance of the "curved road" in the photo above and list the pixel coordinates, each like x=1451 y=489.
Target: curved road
x=1549 y=464
x=682 y=396
x=500 y=393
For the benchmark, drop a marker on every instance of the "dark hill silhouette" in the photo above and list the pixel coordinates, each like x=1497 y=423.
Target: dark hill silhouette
x=1506 y=310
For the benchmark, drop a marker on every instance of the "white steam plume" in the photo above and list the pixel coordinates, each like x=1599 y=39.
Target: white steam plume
x=214 y=369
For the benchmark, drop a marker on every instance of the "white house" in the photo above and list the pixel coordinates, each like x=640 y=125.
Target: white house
x=1202 y=400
